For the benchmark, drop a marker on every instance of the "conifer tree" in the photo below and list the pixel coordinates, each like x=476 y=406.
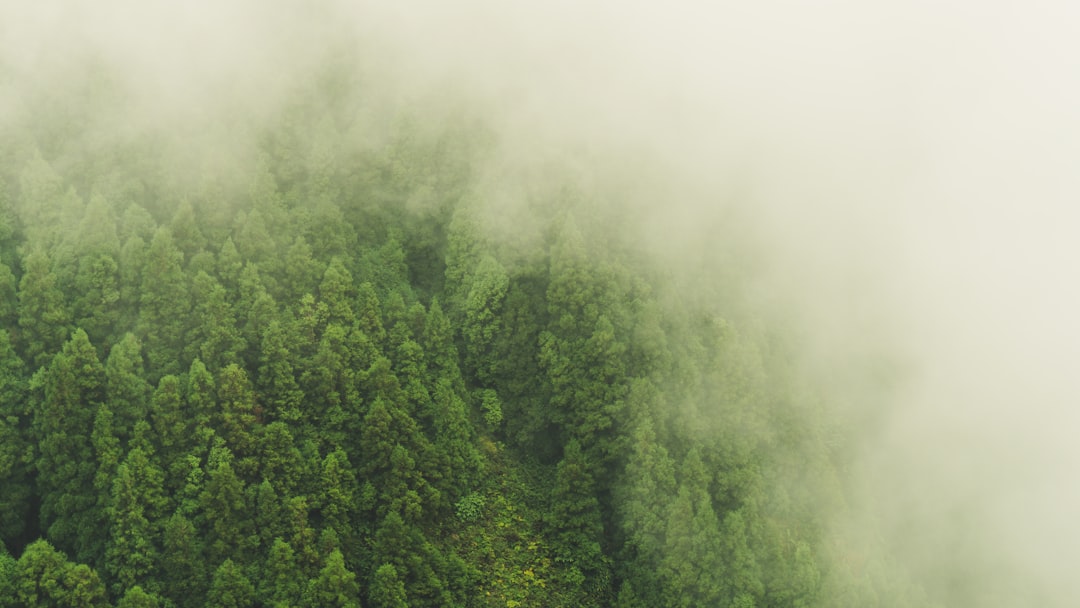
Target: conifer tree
x=183 y=574
x=280 y=586
x=230 y=588
x=335 y=587
x=387 y=589
x=70 y=391
x=44 y=317
x=135 y=597
x=16 y=452
x=276 y=379
x=575 y=520
x=126 y=391
x=223 y=507
x=238 y=418
x=164 y=304
x=131 y=556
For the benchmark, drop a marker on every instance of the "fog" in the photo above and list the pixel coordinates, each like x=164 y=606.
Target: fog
x=904 y=175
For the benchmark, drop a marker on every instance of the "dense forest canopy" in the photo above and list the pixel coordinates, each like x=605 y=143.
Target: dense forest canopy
x=290 y=318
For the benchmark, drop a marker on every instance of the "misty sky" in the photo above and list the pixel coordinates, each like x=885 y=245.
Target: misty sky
x=910 y=171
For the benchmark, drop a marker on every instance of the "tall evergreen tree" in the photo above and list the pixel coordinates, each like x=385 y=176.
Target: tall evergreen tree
x=230 y=588
x=16 y=450
x=44 y=317
x=164 y=304
x=335 y=587
x=127 y=393
x=69 y=393
x=183 y=573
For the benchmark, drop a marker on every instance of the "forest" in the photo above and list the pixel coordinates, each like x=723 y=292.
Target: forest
x=313 y=368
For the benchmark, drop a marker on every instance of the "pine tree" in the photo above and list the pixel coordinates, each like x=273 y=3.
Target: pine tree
x=575 y=521
x=125 y=389
x=164 y=304
x=230 y=588
x=481 y=316
x=16 y=453
x=302 y=270
x=183 y=574
x=214 y=337
x=280 y=461
x=387 y=589
x=224 y=509
x=130 y=556
x=9 y=303
x=238 y=418
x=276 y=379
x=339 y=495
x=70 y=391
x=335 y=587
x=97 y=281
x=279 y=585
x=44 y=317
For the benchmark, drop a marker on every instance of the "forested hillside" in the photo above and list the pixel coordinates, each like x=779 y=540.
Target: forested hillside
x=308 y=368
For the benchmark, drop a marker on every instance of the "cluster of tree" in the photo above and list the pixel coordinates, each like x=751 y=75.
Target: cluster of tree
x=326 y=383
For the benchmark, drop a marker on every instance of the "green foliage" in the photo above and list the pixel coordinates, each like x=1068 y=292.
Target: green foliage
x=135 y=597
x=46 y=578
x=387 y=590
x=279 y=584
x=335 y=587
x=470 y=507
x=287 y=415
x=230 y=588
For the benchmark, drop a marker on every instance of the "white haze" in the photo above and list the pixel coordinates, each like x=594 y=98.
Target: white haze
x=910 y=172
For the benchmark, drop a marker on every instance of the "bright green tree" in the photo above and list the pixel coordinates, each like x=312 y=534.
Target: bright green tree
x=44 y=317
x=164 y=304
x=135 y=597
x=126 y=391
x=45 y=578
x=387 y=589
x=279 y=585
x=230 y=588
x=224 y=510
x=335 y=587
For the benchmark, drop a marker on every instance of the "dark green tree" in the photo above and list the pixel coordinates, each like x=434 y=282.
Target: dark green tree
x=69 y=393
x=224 y=510
x=576 y=525
x=183 y=574
x=16 y=451
x=8 y=579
